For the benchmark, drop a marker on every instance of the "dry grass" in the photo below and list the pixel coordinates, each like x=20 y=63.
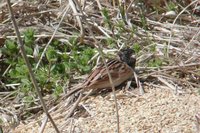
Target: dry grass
x=170 y=102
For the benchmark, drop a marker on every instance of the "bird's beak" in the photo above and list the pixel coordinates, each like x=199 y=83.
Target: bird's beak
x=133 y=56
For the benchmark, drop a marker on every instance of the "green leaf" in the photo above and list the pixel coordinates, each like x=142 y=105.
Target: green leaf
x=28 y=99
x=171 y=6
x=58 y=90
x=73 y=41
x=25 y=89
x=28 y=50
x=84 y=69
x=65 y=57
x=61 y=68
x=42 y=75
x=25 y=81
x=106 y=17
x=110 y=42
x=156 y=62
x=58 y=68
x=136 y=48
x=51 y=54
x=11 y=46
x=153 y=48
x=29 y=37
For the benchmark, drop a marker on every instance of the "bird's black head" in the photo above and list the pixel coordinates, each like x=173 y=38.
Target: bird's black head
x=125 y=55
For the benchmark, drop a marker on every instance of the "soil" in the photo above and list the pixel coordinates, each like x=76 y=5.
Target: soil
x=158 y=110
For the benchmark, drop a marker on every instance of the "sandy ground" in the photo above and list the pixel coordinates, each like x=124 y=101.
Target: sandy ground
x=158 y=110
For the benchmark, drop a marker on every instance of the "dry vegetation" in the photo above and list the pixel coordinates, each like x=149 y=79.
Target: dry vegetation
x=164 y=34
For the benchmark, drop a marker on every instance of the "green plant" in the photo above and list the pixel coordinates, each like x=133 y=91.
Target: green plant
x=171 y=6
x=155 y=62
x=122 y=12
x=153 y=48
x=80 y=60
x=106 y=18
x=29 y=37
x=111 y=42
x=59 y=62
x=120 y=27
x=136 y=48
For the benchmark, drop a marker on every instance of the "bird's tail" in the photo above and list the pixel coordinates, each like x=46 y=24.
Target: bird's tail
x=73 y=90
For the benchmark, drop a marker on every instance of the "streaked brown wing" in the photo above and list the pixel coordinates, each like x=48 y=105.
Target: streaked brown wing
x=96 y=74
x=119 y=71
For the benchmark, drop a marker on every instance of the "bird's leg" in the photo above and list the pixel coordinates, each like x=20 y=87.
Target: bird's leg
x=138 y=83
x=128 y=85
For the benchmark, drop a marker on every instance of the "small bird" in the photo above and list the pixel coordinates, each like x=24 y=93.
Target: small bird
x=121 y=69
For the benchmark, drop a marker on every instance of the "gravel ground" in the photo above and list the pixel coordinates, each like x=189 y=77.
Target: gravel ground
x=158 y=110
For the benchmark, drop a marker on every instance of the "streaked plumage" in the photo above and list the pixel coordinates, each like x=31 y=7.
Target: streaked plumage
x=121 y=69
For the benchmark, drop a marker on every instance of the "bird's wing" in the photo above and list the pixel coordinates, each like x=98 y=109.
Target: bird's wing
x=99 y=78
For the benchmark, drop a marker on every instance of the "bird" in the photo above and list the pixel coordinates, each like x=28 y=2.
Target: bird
x=121 y=69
